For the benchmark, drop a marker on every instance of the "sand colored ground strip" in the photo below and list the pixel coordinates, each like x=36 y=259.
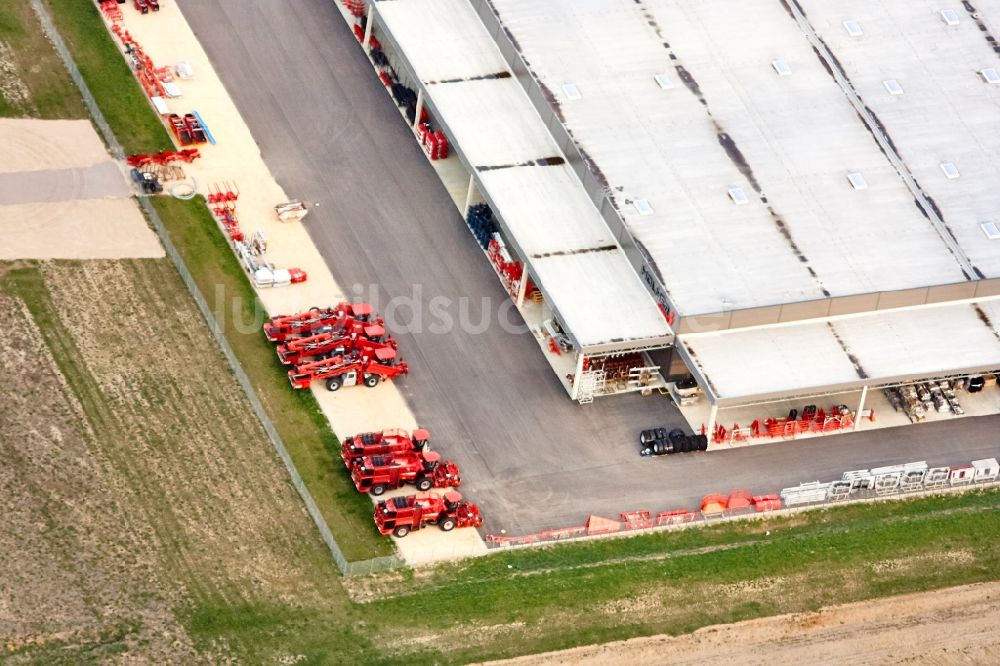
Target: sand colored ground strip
x=87 y=229
x=167 y=38
x=30 y=144
x=955 y=625
x=63 y=197
x=99 y=181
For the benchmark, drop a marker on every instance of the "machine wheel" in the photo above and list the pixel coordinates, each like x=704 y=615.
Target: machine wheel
x=371 y=381
x=447 y=525
x=378 y=489
x=334 y=383
x=424 y=483
x=401 y=531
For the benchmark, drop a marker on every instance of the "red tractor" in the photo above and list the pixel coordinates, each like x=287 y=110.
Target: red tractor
x=368 y=366
x=280 y=328
x=334 y=342
x=424 y=469
x=355 y=448
x=401 y=515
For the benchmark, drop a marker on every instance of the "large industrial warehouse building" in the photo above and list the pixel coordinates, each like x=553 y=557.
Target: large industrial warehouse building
x=795 y=203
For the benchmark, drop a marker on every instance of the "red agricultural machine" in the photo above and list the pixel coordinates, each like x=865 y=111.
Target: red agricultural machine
x=423 y=469
x=401 y=515
x=368 y=366
x=188 y=130
x=355 y=448
x=278 y=329
x=357 y=336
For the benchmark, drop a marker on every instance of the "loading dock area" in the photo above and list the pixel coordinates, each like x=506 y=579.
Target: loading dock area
x=553 y=252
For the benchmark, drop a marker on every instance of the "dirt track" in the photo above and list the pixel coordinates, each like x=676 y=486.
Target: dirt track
x=956 y=625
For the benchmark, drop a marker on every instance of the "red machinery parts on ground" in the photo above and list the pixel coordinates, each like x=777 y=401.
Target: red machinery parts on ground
x=401 y=515
x=811 y=420
x=423 y=469
x=355 y=448
x=434 y=143
x=112 y=11
x=356 y=7
x=188 y=129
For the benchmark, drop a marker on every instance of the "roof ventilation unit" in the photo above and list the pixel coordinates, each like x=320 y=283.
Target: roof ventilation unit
x=893 y=87
x=738 y=196
x=642 y=206
x=663 y=81
x=572 y=92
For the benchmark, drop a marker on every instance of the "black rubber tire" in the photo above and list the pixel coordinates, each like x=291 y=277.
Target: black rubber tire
x=378 y=489
x=334 y=383
x=401 y=531
x=424 y=483
x=371 y=381
x=447 y=525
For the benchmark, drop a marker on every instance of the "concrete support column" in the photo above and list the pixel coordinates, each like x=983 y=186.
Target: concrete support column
x=368 y=27
x=574 y=394
x=468 y=195
x=713 y=415
x=420 y=108
x=861 y=405
x=522 y=288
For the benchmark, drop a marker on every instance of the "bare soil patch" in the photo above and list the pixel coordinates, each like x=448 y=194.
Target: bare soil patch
x=136 y=483
x=31 y=144
x=75 y=566
x=82 y=229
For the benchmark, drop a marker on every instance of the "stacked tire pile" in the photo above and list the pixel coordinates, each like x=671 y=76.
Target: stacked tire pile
x=480 y=221
x=661 y=442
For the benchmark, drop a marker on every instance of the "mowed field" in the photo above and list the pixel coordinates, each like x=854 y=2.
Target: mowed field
x=136 y=483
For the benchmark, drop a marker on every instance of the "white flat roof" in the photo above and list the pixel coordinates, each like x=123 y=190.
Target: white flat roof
x=571 y=253
x=436 y=37
x=547 y=210
x=598 y=300
x=948 y=113
x=788 y=142
x=488 y=138
x=886 y=346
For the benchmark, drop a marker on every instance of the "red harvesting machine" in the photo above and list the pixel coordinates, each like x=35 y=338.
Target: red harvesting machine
x=367 y=366
x=423 y=469
x=357 y=447
x=336 y=341
x=280 y=328
x=401 y=515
